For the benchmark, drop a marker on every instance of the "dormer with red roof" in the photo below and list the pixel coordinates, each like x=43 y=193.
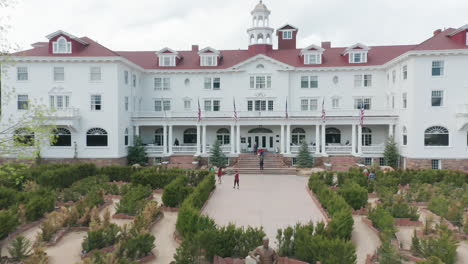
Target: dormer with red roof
x=357 y=53
x=61 y=42
x=209 y=57
x=287 y=37
x=312 y=54
x=460 y=35
x=168 y=57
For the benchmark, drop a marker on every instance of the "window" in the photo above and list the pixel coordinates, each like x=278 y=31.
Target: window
x=335 y=103
x=260 y=82
x=187 y=104
x=95 y=73
x=260 y=105
x=405 y=72
x=62 y=46
x=96 y=137
x=304 y=104
x=126 y=77
x=126 y=103
x=368 y=161
x=309 y=82
x=393 y=76
x=162 y=83
x=208 y=60
x=312 y=58
x=59 y=102
x=162 y=105
x=436 y=136
x=23 y=102
x=134 y=81
x=405 y=100
x=22 y=73
x=287 y=34
x=59 y=74
x=363 y=80
x=96 y=102
x=405 y=136
x=357 y=57
x=212 y=105
x=190 y=136
x=222 y=135
x=126 y=137
x=332 y=135
x=437 y=98
x=436 y=164
x=366 y=136
x=309 y=104
x=297 y=136
x=381 y=161
x=364 y=102
x=167 y=60
x=437 y=68
x=212 y=83
x=62 y=138
x=159 y=137
x=24 y=137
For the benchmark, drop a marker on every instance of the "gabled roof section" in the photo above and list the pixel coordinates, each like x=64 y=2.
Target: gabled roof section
x=209 y=50
x=458 y=30
x=262 y=56
x=166 y=51
x=357 y=46
x=61 y=32
x=441 y=41
x=311 y=48
x=287 y=27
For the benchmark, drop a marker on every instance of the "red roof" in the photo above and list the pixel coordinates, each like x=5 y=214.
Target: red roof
x=332 y=57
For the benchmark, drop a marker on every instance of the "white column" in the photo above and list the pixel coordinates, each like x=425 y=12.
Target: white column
x=171 y=141
x=282 y=150
x=324 y=152
x=353 y=139
x=359 y=140
x=137 y=134
x=164 y=139
x=390 y=130
x=288 y=138
x=198 y=140
x=317 y=139
x=232 y=139
x=204 y=139
x=238 y=140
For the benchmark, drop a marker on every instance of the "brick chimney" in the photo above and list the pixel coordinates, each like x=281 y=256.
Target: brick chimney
x=326 y=44
x=195 y=48
x=437 y=32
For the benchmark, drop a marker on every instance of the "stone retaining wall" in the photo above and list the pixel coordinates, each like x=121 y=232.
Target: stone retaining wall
x=452 y=164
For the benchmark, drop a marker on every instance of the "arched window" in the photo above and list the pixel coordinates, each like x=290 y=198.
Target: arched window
x=62 y=137
x=190 y=136
x=404 y=132
x=252 y=39
x=24 y=137
x=260 y=66
x=96 y=137
x=436 y=136
x=260 y=130
x=260 y=39
x=159 y=137
x=259 y=21
x=126 y=137
x=366 y=136
x=223 y=136
x=297 y=135
x=187 y=82
x=332 y=135
x=62 y=46
x=268 y=39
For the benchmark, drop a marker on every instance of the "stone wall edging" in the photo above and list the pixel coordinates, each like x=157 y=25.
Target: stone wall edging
x=281 y=260
x=407 y=222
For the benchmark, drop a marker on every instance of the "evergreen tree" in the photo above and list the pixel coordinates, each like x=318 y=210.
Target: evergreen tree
x=137 y=153
x=388 y=254
x=304 y=159
x=391 y=154
x=217 y=157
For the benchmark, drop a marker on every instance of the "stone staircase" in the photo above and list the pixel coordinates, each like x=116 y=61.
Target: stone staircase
x=272 y=164
x=181 y=161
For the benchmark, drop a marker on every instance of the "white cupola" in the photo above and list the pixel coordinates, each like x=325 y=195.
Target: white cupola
x=260 y=32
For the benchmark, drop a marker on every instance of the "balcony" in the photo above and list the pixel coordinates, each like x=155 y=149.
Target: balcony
x=224 y=148
x=295 y=149
x=69 y=117
x=153 y=150
x=375 y=149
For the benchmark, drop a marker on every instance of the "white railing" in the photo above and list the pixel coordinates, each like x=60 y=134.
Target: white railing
x=66 y=113
x=338 y=149
x=224 y=148
x=153 y=149
x=376 y=149
x=184 y=149
x=295 y=149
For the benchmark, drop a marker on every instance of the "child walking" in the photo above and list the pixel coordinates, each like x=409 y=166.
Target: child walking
x=220 y=173
x=236 y=180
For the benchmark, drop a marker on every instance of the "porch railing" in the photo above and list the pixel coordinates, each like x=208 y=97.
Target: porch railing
x=184 y=149
x=377 y=149
x=338 y=149
x=224 y=148
x=295 y=149
x=153 y=149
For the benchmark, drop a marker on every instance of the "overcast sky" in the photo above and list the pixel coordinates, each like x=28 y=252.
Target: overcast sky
x=222 y=24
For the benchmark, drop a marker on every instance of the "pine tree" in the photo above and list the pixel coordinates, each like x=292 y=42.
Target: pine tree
x=217 y=157
x=304 y=159
x=391 y=154
x=137 y=153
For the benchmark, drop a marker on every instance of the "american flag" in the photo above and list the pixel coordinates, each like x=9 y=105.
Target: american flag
x=286 y=110
x=324 y=116
x=199 y=111
x=361 y=116
x=236 y=117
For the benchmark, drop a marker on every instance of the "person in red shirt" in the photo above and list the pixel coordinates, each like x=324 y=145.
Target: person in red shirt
x=220 y=173
x=236 y=180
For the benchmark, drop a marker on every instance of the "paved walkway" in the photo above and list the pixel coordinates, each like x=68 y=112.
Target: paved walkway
x=271 y=201
x=365 y=240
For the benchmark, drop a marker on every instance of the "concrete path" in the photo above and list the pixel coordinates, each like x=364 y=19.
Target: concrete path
x=462 y=253
x=68 y=250
x=271 y=201
x=30 y=234
x=365 y=240
x=163 y=231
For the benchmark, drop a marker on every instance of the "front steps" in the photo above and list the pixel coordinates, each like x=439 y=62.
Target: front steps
x=181 y=161
x=272 y=164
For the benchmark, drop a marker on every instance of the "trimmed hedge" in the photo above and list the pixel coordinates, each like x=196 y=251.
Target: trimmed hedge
x=155 y=177
x=118 y=173
x=383 y=220
x=9 y=220
x=176 y=192
x=65 y=176
x=354 y=194
x=134 y=200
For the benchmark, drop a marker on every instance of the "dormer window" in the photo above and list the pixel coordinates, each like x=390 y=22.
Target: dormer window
x=312 y=54
x=357 y=53
x=167 y=57
x=62 y=46
x=209 y=56
x=357 y=57
x=312 y=58
x=287 y=34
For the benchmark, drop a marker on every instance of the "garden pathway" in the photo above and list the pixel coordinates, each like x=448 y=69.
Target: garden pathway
x=462 y=253
x=68 y=250
x=30 y=234
x=271 y=201
x=112 y=208
x=364 y=238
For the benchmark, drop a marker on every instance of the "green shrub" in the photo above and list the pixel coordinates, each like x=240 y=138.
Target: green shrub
x=137 y=153
x=101 y=238
x=65 y=176
x=138 y=246
x=134 y=200
x=443 y=245
x=118 y=173
x=354 y=194
x=196 y=176
x=388 y=254
x=176 y=192
x=155 y=178
x=38 y=204
x=401 y=209
x=382 y=220
x=14 y=175
x=341 y=225
x=9 y=220
x=19 y=248
x=304 y=158
x=8 y=197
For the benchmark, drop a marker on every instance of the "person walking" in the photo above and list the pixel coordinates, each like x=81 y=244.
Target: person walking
x=261 y=163
x=236 y=180
x=220 y=173
x=255 y=148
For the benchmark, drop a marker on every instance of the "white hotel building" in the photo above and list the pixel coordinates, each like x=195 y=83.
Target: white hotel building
x=416 y=93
